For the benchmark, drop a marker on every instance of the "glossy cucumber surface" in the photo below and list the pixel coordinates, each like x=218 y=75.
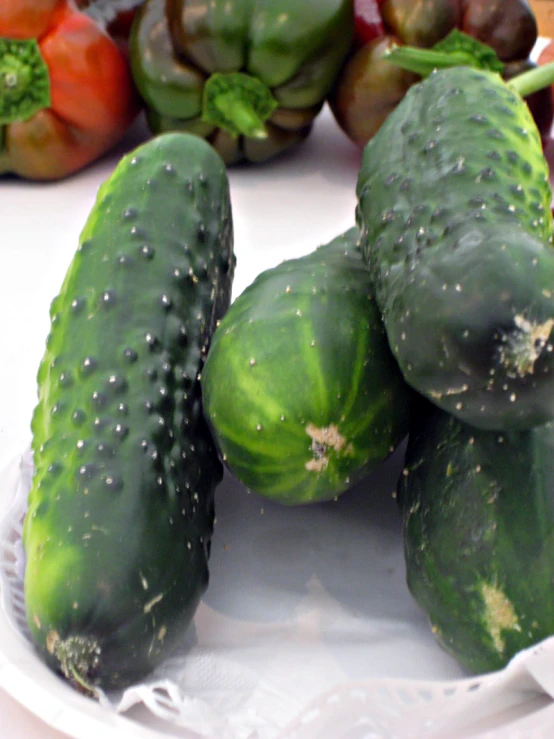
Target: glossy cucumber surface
x=300 y=388
x=121 y=510
x=478 y=512
x=454 y=207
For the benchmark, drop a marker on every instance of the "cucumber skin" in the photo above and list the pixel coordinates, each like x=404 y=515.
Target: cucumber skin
x=121 y=509
x=478 y=519
x=301 y=349
x=454 y=208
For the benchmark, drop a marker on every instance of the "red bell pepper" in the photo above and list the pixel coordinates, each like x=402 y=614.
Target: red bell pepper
x=66 y=90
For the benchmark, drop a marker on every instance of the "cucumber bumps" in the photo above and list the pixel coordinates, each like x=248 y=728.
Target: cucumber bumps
x=454 y=207
x=478 y=519
x=300 y=388
x=121 y=512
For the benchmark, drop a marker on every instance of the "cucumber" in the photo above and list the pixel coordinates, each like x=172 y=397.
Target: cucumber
x=478 y=519
x=454 y=207
x=121 y=509
x=300 y=388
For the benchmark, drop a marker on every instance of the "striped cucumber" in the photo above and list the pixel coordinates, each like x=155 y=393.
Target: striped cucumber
x=300 y=388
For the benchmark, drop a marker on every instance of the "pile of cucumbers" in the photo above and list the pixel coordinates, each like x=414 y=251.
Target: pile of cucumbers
x=432 y=318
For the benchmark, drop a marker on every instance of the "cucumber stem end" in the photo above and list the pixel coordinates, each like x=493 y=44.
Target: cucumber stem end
x=78 y=657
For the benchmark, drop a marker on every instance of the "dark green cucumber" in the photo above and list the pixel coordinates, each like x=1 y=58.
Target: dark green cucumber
x=454 y=207
x=301 y=391
x=120 y=514
x=478 y=510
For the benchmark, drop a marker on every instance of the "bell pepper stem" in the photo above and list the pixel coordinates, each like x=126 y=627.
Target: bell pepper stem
x=424 y=61
x=533 y=80
x=243 y=115
x=454 y=50
x=24 y=80
x=238 y=103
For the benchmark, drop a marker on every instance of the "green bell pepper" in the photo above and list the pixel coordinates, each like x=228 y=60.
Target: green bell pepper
x=250 y=76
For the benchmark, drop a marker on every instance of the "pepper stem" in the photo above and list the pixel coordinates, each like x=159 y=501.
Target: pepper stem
x=533 y=80
x=456 y=49
x=424 y=61
x=238 y=103
x=24 y=80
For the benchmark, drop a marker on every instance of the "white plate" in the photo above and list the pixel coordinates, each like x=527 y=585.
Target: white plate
x=307 y=614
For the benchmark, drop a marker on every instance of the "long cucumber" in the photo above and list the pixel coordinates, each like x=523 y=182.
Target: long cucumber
x=121 y=510
x=454 y=206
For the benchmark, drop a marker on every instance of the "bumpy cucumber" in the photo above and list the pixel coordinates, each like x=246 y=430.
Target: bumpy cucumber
x=454 y=206
x=478 y=510
x=300 y=388
x=120 y=513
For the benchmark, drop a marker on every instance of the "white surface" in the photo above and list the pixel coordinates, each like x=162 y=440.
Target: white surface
x=309 y=599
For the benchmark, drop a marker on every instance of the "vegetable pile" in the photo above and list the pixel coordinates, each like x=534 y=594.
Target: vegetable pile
x=432 y=318
x=249 y=76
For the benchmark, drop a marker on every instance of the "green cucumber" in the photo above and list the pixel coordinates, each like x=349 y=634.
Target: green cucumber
x=120 y=515
x=300 y=389
x=454 y=207
x=478 y=518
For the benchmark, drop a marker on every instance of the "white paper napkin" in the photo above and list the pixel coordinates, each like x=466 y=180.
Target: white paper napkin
x=308 y=631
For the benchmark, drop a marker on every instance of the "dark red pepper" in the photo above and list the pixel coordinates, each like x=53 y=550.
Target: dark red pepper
x=368 y=87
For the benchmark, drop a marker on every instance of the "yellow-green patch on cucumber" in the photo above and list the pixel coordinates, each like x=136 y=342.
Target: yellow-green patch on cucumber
x=478 y=519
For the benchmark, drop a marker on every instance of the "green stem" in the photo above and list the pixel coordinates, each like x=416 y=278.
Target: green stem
x=77 y=656
x=244 y=116
x=238 y=103
x=454 y=50
x=85 y=686
x=533 y=80
x=424 y=61
x=24 y=80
